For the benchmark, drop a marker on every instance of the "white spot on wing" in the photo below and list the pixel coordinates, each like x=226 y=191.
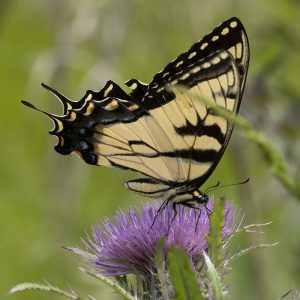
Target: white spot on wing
x=185 y=76
x=224 y=55
x=203 y=46
x=225 y=31
x=233 y=24
x=179 y=64
x=192 y=55
x=216 y=60
x=206 y=65
x=196 y=70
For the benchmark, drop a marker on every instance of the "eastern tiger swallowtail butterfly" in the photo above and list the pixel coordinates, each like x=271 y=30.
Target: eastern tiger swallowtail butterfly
x=173 y=139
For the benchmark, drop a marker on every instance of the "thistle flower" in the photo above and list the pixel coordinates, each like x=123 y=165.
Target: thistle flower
x=126 y=243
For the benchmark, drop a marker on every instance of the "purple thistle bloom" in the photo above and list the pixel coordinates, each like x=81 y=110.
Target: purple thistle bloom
x=126 y=244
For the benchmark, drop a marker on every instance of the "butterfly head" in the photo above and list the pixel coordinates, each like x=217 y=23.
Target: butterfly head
x=200 y=198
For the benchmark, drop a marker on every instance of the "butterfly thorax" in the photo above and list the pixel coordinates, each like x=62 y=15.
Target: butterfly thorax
x=193 y=197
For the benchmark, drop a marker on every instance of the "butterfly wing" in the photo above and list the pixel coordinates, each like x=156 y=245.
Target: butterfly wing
x=169 y=136
x=166 y=135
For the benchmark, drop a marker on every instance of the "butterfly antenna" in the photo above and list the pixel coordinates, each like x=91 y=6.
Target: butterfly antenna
x=226 y=185
x=212 y=187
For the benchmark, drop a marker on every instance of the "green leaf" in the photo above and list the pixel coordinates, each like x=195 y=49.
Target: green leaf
x=214 y=237
x=161 y=270
x=27 y=286
x=112 y=284
x=183 y=276
x=214 y=278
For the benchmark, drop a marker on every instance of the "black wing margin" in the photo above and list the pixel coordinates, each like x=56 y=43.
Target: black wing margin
x=230 y=36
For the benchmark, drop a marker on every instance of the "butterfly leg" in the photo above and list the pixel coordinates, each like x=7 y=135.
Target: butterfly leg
x=175 y=211
x=158 y=212
x=191 y=205
x=208 y=211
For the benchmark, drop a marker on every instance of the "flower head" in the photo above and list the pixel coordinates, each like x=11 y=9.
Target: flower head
x=126 y=243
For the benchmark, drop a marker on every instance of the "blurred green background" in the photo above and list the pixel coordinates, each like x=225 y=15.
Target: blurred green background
x=48 y=200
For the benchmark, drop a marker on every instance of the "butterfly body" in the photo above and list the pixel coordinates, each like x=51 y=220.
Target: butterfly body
x=165 y=133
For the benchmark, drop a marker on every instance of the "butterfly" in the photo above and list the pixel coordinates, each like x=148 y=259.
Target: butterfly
x=164 y=133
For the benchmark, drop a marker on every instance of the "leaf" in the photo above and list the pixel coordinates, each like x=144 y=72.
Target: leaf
x=183 y=276
x=112 y=284
x=160 y=266
x=214 y=278
x=27 y=286
x=214 y=237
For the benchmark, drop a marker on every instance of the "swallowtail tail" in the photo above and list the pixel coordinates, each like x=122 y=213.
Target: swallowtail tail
x=167 y=135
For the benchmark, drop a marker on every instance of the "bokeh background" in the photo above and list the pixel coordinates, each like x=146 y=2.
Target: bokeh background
x=48 y=200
